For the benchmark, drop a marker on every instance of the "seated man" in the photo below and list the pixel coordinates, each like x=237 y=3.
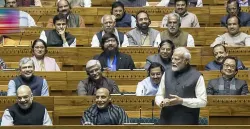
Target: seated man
x=2 y=64
x=58 y=37
x=111 y=59
x=38 y=85
x=171 y=3
x=95 y=80
x=123 y=19
x=134 y=3
x=108 y=26
x=28 y=3
x=174 y=33
x=25 y=111
x=165 y=52
x=228 y=84
x=142 y=35
x=188 y=19
x=25 y=20
x=73 y=20
x=79 y=3
x=233 y=9
x=104 y=112
x=233 y=37
x=149 y=86
x=220 y=52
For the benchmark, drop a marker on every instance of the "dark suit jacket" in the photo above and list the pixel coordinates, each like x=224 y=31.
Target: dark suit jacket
x=215 y=66
x=244 y=18
x=124 y=61
x=240 y=85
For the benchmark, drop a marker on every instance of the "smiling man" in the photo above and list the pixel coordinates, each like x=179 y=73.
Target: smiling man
x=25 y=111
x=38 y=85
x=181 y=92
x=95 y=80
x=58 y=37
x=228 y=84
x=104 y=112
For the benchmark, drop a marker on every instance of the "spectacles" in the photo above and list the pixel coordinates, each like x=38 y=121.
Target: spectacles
x=229 y=66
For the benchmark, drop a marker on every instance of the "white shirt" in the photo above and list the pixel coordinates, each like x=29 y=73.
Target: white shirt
x=95 y=42
x=44 y=38
x=165 y=3
x=190 y=41
x=25 y=20
x=82 y=3
x=133 y=22
x=200 y=92
x=7 y=119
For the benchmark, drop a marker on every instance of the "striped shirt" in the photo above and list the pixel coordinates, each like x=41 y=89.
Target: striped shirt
x=117 y=115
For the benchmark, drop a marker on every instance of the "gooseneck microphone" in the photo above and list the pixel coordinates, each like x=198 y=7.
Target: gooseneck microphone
x=153 y=104
x=140 y=116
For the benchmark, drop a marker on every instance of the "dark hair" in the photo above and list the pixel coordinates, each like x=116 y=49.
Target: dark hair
x=186 y=1
x=218 y=45
x=228 y=17
x=233 y=58
x=155 y=65
x=141 y=11
x=237 y=3
x=170 y=43
x=39 y=40
x=106 y=36
x=117 y=4
x=59 y=17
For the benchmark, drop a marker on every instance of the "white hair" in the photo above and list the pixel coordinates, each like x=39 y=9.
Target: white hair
x=25 y=60
x=92 y=63
x=175 y=15
x=184 y=51
x=107 y=15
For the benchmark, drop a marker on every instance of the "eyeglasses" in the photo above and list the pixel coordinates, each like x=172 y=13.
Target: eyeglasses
x=229 y=66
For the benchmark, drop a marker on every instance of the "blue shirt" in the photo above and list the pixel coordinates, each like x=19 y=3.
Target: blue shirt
x=216 y=66
x=146 y=88
x=112 y=67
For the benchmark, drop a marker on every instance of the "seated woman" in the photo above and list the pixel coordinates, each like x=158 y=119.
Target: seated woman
x=2 y=64
x=42 y=62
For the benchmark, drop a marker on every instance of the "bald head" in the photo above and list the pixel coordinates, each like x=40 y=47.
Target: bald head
x=102 y=98
x=103 y=90
x=24 y=97
x=24 y=89
x=108 y=23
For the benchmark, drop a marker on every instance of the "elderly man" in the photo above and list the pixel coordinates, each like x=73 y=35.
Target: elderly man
x=111 y=59
x=95 y=80
x=228 y=84
x=123 y=19
x=108 y=26
x=104 y=112
x=25 y=20
x=165 y=52
x=233 y=9
x=220 y=52
x=25 y=111
x=171 y=3
x=73 y=20
x=79 y=3
x=149 y=86
x=142 y=35
x=233 y=37
x=181 y=92
x=58 y=37
x=188 y=19
x=38 y=85
x=174 y=33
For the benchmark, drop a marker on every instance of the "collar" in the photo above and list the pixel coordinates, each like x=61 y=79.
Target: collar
x=184 y=15
x=235 y=34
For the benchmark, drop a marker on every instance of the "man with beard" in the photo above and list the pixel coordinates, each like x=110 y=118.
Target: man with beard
x=165 y=52
x=25 y=20
x=58 y=37
x=25 y=111
x=142 y=35
x=227 y=84
x=108 y=26
x=233 y=9
x=188 y=19
x=123 y=19
x=79 y=3
x=181 y=92
x=171 y=3
x=233 y=37
x=220 y=52
x=38 y=85
x=104 y=112
x=95 y=80
x=149 y=86
x=73 y=20
x=174 y=33
x=111 y=59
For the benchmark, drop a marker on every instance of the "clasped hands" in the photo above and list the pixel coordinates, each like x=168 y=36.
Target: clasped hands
x=173 y=100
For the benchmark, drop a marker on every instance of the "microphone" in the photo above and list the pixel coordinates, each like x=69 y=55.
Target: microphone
x=153 y=104
x=140 y=116
x=21 y=38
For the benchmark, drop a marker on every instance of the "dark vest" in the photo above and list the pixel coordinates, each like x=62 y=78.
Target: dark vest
x=120 y=34
x=182 y=84
x=32 y=116
x=25 y=3
x=125 y=21
x=191 y=3
x=35 y=83
x=179 y=40
x=54 y=40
